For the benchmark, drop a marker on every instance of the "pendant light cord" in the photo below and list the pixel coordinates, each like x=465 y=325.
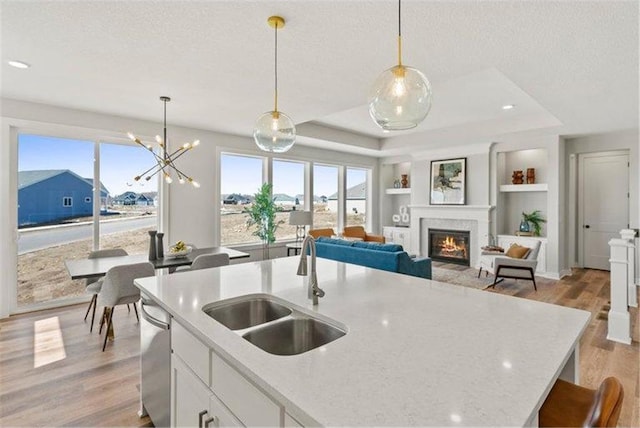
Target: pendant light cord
x=276 y=69
x=164 y=132
x=399 y=34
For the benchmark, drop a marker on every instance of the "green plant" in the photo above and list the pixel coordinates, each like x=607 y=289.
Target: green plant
x=536 y=219
x=262 y=215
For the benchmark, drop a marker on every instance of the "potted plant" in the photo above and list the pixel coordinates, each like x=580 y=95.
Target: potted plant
x=262 y=215
x=535 y=219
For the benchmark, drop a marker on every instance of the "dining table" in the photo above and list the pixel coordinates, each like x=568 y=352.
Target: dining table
x=94 y=268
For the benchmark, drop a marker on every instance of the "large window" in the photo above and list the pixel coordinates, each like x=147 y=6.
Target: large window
x=121 y=197
x=325 y=197
x=55 y=176
x=356 y=197
x=288 y=194
x=240 y=179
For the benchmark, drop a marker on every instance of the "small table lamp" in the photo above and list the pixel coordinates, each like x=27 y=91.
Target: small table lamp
x=300 y=219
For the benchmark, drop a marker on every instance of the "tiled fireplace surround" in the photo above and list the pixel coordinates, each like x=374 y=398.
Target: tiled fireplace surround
x=474 y=218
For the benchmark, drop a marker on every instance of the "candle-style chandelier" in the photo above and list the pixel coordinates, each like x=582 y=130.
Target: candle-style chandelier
x=165 y=161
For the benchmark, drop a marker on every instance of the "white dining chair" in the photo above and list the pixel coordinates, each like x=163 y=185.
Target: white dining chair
x=93 y=285
x=118 y=289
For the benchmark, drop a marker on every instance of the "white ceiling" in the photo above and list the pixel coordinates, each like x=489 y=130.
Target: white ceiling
x=570 y=67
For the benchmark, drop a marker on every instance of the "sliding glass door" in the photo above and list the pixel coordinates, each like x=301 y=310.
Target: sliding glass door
x=57 y=199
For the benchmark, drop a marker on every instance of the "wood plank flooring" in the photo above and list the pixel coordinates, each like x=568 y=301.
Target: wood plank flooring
x=87 y=387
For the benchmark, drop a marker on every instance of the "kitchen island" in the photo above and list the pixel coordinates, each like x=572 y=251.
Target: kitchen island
x=417 y=352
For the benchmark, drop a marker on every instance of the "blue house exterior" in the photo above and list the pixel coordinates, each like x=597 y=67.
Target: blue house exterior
x=45 y=196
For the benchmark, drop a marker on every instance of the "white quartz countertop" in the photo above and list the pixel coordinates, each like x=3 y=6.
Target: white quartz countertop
x=417 y=352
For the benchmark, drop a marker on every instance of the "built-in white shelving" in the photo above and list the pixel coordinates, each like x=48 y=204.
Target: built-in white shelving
x=538 y=187
x=400 y=191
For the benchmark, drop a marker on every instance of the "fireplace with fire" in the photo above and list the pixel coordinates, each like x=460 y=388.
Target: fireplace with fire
x=450 y=246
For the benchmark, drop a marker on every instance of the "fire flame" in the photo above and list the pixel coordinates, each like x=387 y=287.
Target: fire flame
x=450 y=246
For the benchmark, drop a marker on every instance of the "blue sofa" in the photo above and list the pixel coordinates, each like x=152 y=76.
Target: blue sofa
x=389 y=257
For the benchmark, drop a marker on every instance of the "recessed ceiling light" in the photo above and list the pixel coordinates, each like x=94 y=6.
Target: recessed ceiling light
x=508 y=106
x=385 y=131
x=18 y=64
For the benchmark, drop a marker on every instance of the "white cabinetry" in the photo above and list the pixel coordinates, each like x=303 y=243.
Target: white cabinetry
x=207 y=391
x=505 y=242
x=398 y=235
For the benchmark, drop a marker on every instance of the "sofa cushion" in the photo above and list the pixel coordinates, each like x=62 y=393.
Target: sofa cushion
x=342 y=242
x=392 y=248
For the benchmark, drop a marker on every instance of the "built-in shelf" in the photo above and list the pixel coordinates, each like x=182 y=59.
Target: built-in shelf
x=539 y=187
x=400 y=191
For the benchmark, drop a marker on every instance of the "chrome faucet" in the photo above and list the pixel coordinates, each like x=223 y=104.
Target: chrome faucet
x=313 y=291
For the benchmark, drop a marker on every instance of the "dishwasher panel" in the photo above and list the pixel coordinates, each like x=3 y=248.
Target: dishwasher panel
x=155 y=362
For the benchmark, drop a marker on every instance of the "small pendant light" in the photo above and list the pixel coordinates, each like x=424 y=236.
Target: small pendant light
x=401 y=96
x=274 y=131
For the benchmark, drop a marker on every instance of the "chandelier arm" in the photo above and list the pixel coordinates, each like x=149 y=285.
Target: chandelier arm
x=171 y=158
x=145 y=172
x=159 y=168
x=180 y=173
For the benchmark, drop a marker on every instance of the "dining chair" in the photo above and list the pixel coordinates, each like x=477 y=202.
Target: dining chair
x=118 y=289
x=206 y=261
x=93 y=285
x=570 y=405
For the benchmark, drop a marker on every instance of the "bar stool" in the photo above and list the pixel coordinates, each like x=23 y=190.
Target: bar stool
x=570 y=405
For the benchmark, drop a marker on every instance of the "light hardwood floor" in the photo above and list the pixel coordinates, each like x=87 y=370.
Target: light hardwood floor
x=91 y=388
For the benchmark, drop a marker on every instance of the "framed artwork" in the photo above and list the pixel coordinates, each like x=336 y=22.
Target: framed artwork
x=448 y=182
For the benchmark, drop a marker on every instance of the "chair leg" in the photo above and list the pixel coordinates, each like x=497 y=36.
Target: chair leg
x=93 y=313
x=106 y=335
x=102 y=319
x=135 y=309
x=479 y=272
x=128 y=308
x=533 y=278
x=91 y=303
x=495 y=278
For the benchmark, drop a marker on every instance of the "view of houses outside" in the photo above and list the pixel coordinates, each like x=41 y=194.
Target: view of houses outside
x=55 y=205
x=55 y=210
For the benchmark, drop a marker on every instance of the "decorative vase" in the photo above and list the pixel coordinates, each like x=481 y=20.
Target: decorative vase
x=525 y=226
x=517 y=177
x=152 y=245
x=531 y=175
x=404 y=182
x=160 y=245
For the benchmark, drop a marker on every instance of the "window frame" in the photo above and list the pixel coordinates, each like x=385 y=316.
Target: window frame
x=67 y=201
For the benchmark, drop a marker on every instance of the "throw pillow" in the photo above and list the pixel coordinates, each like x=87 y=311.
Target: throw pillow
x=517 y=251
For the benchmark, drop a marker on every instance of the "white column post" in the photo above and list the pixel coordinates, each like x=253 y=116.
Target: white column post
x=629 y=235
x=619 y=320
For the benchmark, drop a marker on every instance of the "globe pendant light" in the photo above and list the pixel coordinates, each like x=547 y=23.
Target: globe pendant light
x=274 y=131
x=165 y=161
x=401 y=96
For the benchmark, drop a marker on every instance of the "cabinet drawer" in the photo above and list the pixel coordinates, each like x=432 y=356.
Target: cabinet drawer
x=224 y=417
x=250 y=405
x=193 y=352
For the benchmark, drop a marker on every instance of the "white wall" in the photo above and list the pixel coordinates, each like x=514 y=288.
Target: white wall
x=189 y=214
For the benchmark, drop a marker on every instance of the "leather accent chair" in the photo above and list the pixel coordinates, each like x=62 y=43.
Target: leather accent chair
x=359 y=232
x=327 y=232
x=570 y=405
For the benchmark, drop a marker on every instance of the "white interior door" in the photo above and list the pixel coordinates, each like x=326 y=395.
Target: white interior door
x=604 y=181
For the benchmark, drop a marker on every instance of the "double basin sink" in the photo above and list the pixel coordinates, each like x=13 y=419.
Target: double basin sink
x=273 y=325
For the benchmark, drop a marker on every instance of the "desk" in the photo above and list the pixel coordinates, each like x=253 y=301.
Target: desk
x=93 y=268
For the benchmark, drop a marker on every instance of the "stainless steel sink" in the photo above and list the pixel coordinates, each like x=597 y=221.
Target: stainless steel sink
x=293 y=336
x=246 y=313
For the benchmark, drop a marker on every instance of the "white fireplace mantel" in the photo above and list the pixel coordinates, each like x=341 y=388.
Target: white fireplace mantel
x=476 y=217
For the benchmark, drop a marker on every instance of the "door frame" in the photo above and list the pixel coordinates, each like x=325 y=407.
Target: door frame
x=579 y=190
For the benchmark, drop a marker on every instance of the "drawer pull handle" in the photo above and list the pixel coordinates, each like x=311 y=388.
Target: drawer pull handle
x=208 y=421
x=200 y=416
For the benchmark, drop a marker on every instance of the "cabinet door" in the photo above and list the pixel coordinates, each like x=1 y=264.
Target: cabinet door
x=222 y=415
x=189 y=396
x=387 y=232
x=402 y=237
